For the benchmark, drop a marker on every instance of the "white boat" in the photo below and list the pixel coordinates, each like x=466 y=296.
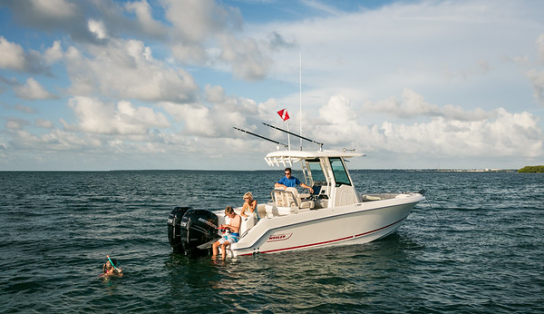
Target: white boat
x=334 y=214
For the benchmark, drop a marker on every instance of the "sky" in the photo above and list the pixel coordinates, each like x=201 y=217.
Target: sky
x=98 y=85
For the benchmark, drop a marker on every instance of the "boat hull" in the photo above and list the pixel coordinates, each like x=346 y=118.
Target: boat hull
x=352 y=224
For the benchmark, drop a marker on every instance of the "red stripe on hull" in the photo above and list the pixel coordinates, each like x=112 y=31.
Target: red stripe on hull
x=365 y=233
x=331 y=241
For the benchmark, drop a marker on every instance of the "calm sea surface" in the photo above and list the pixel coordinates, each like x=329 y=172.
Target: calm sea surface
x=475 y=247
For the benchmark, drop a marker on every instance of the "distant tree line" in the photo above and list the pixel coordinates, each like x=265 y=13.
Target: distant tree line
x=532 y=169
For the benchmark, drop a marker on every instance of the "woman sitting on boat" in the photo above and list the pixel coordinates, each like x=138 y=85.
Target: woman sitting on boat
x=249 y=204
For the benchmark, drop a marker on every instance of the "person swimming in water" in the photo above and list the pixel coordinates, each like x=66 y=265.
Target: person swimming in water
x=112 y=268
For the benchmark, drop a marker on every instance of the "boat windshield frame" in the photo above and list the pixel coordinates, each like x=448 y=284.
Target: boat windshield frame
x=339 y=171
x=314 y=172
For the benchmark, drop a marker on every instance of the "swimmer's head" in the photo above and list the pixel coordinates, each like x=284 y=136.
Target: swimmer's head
x=114 y=261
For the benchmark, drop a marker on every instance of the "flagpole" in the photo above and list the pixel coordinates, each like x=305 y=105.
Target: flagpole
x=285 y=117
x=288 y=136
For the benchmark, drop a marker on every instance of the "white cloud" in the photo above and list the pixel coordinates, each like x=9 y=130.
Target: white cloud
x=196 y=118
x=95 y=116
x=123 y=69
x=217 y=119
x=245 y=57
x=42 y=123
x=25 y=109
x=338 y=111
x=33 y=90
x=195 y=25
x=197 y=21
x=11 y=55
x=509 y=134
x=452 y=112
x=537 y=79
x=433 y=47
x=65 y=15
x=540 y=47
x=206 y=32
x=535 y=76
x=321 y=7
x=16 y=124
x=214 y=94
x=451 y=132
x=54 y=9
x=98 y=29
x=54 y=141
x=54 y=53
x=142 y=9
x=414 y=105
x=481 y=67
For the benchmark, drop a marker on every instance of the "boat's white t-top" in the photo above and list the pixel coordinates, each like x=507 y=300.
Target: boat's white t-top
x=324 y=171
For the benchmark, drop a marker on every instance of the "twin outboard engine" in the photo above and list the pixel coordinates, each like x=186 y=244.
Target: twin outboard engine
x=192 y=231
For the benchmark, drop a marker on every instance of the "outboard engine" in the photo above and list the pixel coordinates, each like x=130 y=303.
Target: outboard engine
x=190 y=228
x=174 y=230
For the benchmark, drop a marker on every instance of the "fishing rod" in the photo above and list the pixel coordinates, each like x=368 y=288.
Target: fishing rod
x=262 y=137
x=294 y=134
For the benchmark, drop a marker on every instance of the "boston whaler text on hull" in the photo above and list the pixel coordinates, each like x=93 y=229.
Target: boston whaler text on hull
x=334 y=214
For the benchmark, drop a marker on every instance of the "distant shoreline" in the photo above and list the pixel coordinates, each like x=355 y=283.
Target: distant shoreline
x=249 y=171
x=532 y=169
x=442 y=170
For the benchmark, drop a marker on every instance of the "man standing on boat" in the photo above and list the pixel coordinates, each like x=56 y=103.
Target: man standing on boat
x=291 y=182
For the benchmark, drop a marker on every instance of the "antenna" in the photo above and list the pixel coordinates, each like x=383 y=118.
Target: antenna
x=291 y=133
x=300 y=95
x=260 y=136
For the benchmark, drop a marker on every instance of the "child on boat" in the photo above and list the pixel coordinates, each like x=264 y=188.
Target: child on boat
x=232 y=237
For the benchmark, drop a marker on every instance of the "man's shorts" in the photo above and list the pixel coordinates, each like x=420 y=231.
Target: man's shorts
x=231 y=237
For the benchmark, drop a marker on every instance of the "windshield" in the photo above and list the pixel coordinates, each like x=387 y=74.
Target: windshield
x=318 y=177
x=340 y=173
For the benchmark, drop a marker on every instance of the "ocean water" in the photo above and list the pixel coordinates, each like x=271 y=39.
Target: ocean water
x=476 y=246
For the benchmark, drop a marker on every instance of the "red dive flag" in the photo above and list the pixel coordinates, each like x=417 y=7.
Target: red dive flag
x=283 y=114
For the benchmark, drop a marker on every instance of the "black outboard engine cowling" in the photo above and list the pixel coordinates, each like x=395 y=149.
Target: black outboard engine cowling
x=195 y=228
x=174 y=221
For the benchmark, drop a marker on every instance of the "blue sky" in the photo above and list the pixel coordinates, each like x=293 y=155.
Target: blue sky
x=159 y=84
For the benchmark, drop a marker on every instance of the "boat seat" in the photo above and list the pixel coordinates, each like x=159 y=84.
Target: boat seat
x=279 y=198
x=365 y=198
x=290 y=199
x=300 y=200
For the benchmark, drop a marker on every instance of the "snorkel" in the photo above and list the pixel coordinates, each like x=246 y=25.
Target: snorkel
x=112 y=264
